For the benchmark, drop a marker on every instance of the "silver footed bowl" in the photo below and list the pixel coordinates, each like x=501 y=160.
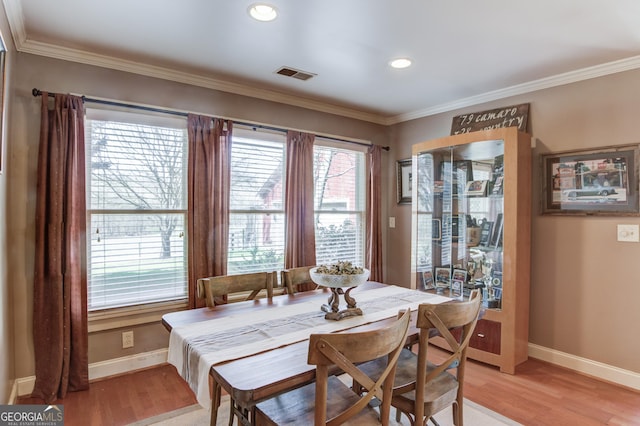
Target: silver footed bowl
x=335 y=281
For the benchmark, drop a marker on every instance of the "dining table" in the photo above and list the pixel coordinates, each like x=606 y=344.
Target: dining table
x=257 y=349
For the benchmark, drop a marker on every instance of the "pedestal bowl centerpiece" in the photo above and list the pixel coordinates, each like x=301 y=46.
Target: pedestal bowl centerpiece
x=338 y=277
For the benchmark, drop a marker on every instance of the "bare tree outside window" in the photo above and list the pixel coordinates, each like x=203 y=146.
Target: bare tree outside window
x=137 y=209
x=139 y=168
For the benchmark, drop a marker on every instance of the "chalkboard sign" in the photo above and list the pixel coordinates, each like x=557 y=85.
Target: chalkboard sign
x=511 y=116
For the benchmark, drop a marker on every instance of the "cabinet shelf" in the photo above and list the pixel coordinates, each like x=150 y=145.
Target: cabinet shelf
x=497 y=250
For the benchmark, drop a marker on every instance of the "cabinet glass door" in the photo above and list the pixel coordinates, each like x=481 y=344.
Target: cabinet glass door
x=459 y=216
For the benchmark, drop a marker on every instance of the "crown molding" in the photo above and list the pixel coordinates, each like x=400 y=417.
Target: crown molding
x=89 y=58
x=614 y=67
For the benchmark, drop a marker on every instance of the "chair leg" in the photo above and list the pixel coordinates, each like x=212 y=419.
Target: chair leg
x=232 y=405
x=457 y=414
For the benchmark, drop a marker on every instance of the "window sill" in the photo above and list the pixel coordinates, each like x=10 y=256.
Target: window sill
x=132 y=315
x=109 y=319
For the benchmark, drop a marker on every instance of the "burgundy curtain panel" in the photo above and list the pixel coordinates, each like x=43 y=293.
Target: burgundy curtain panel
x=374 y=221
x=300 y=240
x=60 y=330
x=209 y=183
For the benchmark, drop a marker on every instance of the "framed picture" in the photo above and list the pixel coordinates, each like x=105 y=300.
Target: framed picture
x=497 y=175
x=594 y=182
x=496 y=188
x=463 y=169
x=443 y=277
x=456 y=219
x=457 y=288
x=427 y=280
x=496 y=235
x=459 y=275
x=403 y=170
x=486 y=232
x=436 y=229
x=457 y=174
x=476 y=188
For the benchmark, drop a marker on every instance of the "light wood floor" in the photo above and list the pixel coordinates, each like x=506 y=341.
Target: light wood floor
x=539 y=394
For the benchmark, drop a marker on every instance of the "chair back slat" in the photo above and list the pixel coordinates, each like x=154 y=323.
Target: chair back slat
x=297 y=279
x=216 y=289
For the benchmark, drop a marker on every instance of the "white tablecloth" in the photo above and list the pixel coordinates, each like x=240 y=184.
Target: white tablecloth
x=194 y=348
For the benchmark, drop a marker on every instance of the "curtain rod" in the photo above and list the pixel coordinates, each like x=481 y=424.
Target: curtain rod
x=37 y=92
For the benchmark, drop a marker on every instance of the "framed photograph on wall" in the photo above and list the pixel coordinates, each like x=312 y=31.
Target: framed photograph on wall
x=591 y=182
x=403 y=171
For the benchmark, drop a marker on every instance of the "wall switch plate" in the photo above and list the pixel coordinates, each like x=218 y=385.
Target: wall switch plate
x=629 y=233
x=127 y=339
x=392 y=222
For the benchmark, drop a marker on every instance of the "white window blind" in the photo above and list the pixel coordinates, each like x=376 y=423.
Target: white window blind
x=256 y=223
x=339 y=176
x=136 y=200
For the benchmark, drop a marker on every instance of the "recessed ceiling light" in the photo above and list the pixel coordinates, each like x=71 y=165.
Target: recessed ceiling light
x=263 y=12
x=400 y=63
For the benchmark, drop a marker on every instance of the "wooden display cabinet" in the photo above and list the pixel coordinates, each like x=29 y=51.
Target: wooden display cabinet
x=471 y=211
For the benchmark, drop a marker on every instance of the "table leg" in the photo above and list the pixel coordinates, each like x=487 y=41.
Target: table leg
x=215 y=403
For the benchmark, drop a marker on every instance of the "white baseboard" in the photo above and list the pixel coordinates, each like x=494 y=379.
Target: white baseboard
x=596 y=369
x=99 y=370
x=112 y=367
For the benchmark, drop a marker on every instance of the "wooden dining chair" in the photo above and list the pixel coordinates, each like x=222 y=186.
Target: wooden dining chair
x=297 y=279
x=421 y=388
x=329 y=400
x=222 y=289
x=217 y=291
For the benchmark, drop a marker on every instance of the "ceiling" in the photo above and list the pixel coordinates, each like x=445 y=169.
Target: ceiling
x=463 y=52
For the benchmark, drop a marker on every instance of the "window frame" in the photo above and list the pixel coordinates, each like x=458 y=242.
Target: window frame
x=361 y=196
x=245 y=135
x=107 y=317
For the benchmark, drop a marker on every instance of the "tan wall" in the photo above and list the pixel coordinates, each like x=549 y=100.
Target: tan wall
x=65 y=77
x=584 y=284
x=7 y=352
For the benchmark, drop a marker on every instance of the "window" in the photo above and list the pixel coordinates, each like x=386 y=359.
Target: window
x=136 y=201
x=256 y=217
x=339 y=176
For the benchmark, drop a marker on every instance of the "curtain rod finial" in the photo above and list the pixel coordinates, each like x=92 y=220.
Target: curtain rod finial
x=36 y=92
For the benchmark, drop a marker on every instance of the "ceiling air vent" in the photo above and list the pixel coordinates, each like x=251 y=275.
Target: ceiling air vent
x=292 y=72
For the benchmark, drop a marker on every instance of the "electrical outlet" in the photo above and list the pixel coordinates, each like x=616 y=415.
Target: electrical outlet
x=127 y=339
x=628 y=233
